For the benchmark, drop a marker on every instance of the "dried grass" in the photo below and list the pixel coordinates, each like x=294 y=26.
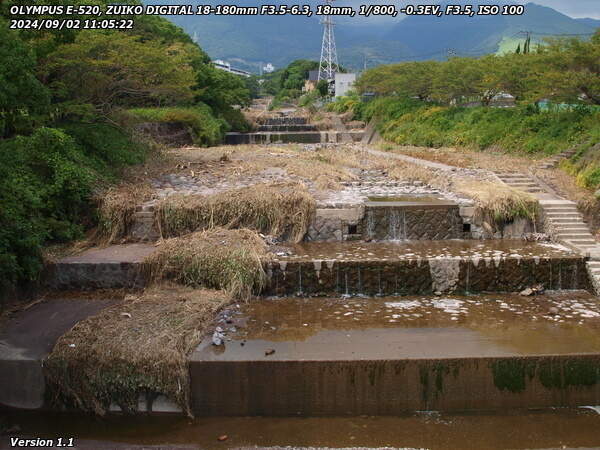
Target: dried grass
x=116 y=210
x=218 y=258
x=497 y=203
x=284 y=209
x=139 y=346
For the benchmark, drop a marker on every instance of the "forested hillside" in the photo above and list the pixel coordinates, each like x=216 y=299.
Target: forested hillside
x=67 y=100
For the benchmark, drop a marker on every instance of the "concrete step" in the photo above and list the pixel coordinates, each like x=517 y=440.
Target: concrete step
x=512 y=175
x=116 y=266
x=385 y=356
x=559 y=220
x=563 y=209
x=581 y=242
x=557 y=203
x=563 y=214
x=572 y=226
x=570 y=236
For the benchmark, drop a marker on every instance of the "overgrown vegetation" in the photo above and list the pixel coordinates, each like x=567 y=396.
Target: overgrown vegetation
x=283 y=210
x=585 y=165
x=64 y=136
x=204 y=128
x=231 y=260
x=137 y=347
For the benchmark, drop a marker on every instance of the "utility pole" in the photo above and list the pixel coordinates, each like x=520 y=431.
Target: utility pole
x=328 y=64
x=527 y=46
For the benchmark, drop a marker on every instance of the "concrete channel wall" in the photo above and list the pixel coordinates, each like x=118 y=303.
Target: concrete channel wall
x=387 y=387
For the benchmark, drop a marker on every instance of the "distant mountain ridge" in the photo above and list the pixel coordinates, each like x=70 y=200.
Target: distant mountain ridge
x=248 y=41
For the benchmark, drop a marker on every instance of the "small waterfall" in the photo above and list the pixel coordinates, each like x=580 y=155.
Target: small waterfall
x=317 y=264
x=282 y=267
x=359 y=282
x=575 y=278
x=404 y=231
x=393 y=224
x=300 y=279
x=370 y=224
x=559 y=276
x=347 y=294
x=468 y=277
x=379 y=291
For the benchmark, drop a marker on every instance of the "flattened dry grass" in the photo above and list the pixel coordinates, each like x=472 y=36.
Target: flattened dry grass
x=284 y=209
x=218 y=258
x=116 y=209
x=138 y=346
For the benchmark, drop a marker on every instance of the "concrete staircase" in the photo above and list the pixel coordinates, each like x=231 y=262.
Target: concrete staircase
x=553 y=162
x=562 y=219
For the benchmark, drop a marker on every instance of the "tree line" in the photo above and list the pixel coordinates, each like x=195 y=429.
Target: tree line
x=560 y=70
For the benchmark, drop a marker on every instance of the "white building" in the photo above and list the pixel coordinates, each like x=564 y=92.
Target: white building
x=223 y=65
x=343 y=83
x=269 y=68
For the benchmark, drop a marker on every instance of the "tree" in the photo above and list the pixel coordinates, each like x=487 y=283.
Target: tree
x=110 y=69
x=22 y=97
x=572 y=70
x=458 y=79
x=220 y=89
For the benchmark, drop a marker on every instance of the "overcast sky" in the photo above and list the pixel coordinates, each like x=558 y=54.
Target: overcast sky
x=573 y=8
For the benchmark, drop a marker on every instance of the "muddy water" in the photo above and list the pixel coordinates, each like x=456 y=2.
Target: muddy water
x=409 y=327
x=363 y=251
x=562 y=428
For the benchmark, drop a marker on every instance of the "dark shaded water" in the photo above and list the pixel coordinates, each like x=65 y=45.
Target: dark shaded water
x=560 y=428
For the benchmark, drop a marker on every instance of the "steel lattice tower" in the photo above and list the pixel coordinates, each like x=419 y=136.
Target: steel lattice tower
x=329 y=62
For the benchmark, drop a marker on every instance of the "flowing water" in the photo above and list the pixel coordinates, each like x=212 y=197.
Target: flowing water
x=521 y=429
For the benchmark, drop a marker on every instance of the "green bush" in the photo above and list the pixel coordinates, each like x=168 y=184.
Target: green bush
x=46 y=184
x=206 y=129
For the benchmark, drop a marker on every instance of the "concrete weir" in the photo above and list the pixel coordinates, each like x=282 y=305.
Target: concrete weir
x=389 y=356
x=288 y=137
x=423 y=267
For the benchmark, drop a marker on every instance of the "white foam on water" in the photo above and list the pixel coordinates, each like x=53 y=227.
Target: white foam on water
x=403 y=305
x=448 y=305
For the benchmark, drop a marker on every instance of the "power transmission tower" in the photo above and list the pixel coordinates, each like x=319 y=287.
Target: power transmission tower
x=328 y=64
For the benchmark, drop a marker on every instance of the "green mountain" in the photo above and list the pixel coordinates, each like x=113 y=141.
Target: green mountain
x=248 y=41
